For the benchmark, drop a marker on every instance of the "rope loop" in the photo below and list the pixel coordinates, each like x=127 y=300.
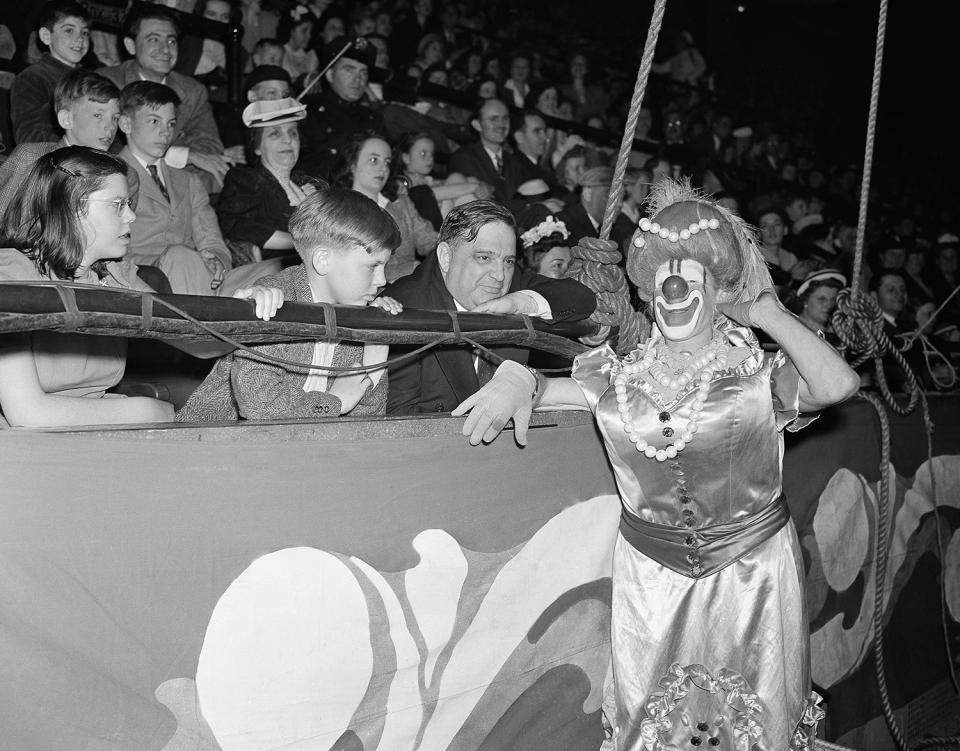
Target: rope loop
x=858 y=323
x=597 y=265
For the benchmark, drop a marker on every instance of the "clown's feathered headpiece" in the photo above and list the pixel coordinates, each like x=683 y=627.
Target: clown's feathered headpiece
x=686 y=224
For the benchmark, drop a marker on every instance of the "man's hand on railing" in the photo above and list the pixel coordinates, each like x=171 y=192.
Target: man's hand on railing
x=508 y=395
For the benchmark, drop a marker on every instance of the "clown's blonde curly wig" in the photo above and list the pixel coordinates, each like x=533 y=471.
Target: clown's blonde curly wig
x=730 y=253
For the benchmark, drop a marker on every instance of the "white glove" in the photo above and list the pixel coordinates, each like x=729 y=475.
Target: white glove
x=509 y=394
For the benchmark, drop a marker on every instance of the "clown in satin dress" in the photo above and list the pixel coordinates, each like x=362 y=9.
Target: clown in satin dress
x=709 y=631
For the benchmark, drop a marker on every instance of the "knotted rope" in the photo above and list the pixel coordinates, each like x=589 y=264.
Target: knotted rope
x=858 y=322
x=596 y=261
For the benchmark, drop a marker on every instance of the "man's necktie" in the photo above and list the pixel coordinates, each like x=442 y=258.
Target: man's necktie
x=498 y=162
x=152 y=169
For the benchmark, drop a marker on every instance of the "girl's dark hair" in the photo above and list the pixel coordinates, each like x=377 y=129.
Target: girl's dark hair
x=347 y=158
x=531 y=256
x=43 y=220
x=406 y=142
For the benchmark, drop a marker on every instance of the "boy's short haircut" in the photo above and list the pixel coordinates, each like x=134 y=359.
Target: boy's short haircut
x=142 y=12
x=340 y=219
x=79 y=84
x=57 y=10
x=146 y=94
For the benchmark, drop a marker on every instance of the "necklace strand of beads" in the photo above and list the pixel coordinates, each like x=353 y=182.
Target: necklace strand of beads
x=704 y=365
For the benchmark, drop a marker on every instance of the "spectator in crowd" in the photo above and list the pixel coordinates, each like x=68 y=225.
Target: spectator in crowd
x=546 y=249
x=332 y=26
x=584 y=218
x=709 y=146
x=484 y=86
x=568 y=171
x=87 y=107
x=362 y=20
x=588 y=98
x=411 y=28
x=430 y=51
x=64 y=28
x=267 y=51
x=517 y=85
x=891 y=253
x=339 y=113
x=265 y=83
x=780 y=261
x=473 y=269
x=204 y=58
x=888 y=287
x=945 y=279
x=686 y=65
x=457 y=40
x=71 y=222
x=299 y=60
x=432 y=197
x=365 y=167
x=919 y=290
x=257 y=201
x=344 y=241
x=150 y=35
x=529 y=131
x=636 y=188
x=487 y=159
x=816 y=300
x=176 y=228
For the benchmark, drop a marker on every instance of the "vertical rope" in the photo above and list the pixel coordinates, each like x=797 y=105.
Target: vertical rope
x=630 y=129
x=868 y=149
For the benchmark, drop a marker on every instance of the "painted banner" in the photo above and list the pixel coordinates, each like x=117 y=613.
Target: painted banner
x=383 y=585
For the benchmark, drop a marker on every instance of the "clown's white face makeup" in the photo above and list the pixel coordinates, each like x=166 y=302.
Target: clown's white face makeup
x=684 y=302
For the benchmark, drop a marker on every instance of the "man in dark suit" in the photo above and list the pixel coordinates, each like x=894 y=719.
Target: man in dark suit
x=488 y=160
x=473 y=269
x=585 y=218
x=529 y=132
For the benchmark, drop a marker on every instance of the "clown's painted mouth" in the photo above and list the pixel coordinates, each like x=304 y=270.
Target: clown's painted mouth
x=678 y=316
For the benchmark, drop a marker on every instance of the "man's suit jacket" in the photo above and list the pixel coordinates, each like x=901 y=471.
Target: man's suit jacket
x=580 y=226
x=241 y=386
x=186 y=219
x=440 y=379
x=532 y=171
x=196 y=128
x=473 y=160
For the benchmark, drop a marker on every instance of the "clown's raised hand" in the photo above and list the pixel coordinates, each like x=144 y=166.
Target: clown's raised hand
x=753 y=312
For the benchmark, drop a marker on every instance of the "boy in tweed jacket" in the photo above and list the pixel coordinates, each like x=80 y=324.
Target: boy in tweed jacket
x=344 y=240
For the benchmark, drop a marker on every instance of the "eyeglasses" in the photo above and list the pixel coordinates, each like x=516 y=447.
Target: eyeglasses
x=119 y=203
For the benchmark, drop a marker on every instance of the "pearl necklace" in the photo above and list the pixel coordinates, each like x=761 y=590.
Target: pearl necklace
x=705 y=364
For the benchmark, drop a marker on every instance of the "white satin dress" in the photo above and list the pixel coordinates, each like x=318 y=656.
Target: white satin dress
x=712 y=652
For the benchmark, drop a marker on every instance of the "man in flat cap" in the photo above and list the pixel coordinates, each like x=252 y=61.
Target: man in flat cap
x=584 y=219
x=339 y=112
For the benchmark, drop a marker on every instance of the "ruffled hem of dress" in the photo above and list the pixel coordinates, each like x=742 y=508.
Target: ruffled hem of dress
x=805 y=733
x=743 y=703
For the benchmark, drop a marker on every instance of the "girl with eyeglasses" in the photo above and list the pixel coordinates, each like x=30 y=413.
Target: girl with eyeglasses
x=72 y=223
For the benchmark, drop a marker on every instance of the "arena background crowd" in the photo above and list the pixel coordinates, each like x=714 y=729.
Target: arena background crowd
x=760 y=103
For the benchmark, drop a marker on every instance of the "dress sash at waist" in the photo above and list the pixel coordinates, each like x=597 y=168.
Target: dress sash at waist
x=696 y=553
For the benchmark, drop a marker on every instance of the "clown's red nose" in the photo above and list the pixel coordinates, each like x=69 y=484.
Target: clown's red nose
x=675 y=288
